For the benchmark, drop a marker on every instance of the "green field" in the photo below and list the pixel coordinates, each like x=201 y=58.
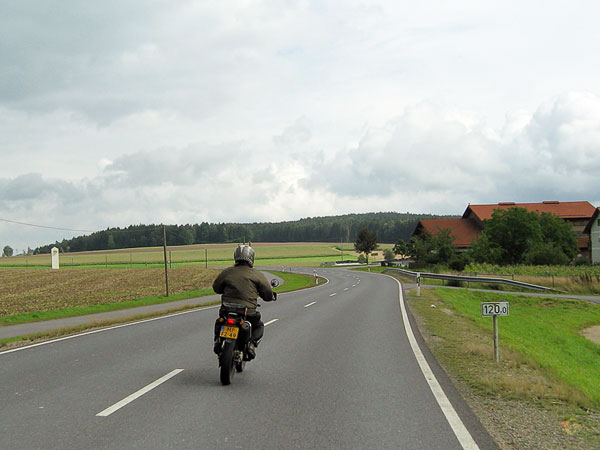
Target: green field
x=296 y=254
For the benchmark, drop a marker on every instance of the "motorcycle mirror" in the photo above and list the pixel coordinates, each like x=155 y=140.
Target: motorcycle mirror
x=274 y=283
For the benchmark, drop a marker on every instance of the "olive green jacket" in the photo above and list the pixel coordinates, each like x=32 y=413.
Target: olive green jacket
x=241 y=284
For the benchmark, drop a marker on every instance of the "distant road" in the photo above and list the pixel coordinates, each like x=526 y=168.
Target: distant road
x=335 y=370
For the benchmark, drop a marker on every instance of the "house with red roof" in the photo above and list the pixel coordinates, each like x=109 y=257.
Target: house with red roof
x=593 y=231
x=467 y=228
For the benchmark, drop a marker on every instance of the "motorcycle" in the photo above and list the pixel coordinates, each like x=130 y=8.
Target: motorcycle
x=233 y=338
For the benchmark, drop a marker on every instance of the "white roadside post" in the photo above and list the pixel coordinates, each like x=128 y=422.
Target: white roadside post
x=495 y=309
x=418 y=284
x=54 y=253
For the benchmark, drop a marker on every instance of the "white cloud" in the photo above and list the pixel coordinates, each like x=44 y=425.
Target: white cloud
x=119 y=113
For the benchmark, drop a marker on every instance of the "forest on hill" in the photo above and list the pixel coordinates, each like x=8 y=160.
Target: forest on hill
x=389 y=227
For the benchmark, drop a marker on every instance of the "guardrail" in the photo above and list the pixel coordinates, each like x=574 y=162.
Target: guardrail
x=440 y=276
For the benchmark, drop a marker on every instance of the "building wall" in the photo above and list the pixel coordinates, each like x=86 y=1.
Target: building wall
x=595 y=241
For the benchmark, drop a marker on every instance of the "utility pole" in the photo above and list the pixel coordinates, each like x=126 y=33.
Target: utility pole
x=165 y=253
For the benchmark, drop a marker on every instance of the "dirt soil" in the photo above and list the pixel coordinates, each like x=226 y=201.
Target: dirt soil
x=27 y=290
x=592 y=333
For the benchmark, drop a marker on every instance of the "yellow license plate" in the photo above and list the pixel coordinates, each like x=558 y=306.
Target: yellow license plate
x=229 y=332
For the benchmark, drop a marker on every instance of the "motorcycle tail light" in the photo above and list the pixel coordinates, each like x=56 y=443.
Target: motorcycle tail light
x=230 y=321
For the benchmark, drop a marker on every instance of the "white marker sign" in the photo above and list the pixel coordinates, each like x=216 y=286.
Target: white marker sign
x=55 y=263
x=494 y=309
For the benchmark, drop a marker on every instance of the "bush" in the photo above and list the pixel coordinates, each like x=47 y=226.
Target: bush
x=362 y=258
x=581 y=261
x=546 y=254
x=455 y=283
x=458 y=264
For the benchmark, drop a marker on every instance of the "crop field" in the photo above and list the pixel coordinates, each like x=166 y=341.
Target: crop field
x=24 y=291
x=573 y=279
x=311 y=254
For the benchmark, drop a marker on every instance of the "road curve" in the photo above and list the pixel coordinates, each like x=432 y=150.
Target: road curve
x=335 y=370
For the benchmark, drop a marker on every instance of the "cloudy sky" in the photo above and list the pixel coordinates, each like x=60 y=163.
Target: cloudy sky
x=124 y=112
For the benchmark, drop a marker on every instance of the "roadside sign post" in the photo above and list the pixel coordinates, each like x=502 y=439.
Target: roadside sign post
x=495 y=309
x=418 y=284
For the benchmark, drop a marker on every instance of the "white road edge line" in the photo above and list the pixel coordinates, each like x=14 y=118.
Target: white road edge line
x=271 y=321
x=138 y=394
x=346 y=289
x=462 y=434
x=331 y=295
x=114 y=327
x=310 y=304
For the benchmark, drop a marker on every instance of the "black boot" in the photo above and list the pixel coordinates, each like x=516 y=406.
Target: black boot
x=217 y=347
x=251 y=350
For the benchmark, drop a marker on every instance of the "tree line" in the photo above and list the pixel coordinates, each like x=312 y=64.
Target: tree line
x=389 y=227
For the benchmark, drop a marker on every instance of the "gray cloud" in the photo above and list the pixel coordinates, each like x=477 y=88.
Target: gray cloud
x=434 y=149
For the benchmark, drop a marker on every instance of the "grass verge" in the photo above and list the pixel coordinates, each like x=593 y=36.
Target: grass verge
x=546 y=366
x=20 y=341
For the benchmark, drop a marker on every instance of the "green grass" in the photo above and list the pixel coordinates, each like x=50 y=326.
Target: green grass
x=545 y=330
x=378 y=269
x=216 y=253
x=116 y=262
x=294 y=281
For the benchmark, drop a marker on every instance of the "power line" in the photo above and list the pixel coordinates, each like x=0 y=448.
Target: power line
x=148 y=227
x=45 y=226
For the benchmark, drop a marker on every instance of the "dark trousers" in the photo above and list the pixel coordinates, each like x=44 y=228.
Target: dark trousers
x=258 y=327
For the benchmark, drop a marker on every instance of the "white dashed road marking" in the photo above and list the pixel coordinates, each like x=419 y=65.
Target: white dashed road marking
x=138 y=394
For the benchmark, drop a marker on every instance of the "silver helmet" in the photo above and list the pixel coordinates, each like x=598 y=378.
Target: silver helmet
x=244 y=253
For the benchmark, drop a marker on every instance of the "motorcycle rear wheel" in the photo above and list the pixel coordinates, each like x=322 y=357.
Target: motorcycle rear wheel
x=226 y=363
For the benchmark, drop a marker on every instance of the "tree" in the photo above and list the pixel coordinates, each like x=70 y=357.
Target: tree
x=388 y=255
x=366 y=242
x=8 y=251
x=516 y=236
x=401 y=248
x=432 y=249
x=514 y=231
x=559 y=233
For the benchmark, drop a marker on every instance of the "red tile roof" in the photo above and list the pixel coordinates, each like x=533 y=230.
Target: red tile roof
x=564 y=210
x=464 y=231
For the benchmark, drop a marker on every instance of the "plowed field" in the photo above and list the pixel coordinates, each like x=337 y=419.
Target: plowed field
x=23 y=290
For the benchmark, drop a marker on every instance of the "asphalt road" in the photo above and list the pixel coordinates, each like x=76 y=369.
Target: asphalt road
x=335 y=370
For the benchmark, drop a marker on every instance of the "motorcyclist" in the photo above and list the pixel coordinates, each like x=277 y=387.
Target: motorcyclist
x=241 y=284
